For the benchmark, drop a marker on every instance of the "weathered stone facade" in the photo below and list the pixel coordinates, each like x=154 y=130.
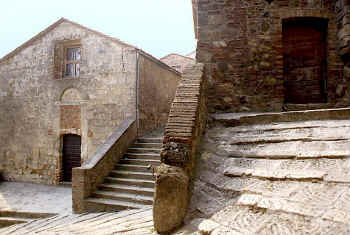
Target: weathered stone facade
x=241 y=43
x=178 y=62
x=39 y=104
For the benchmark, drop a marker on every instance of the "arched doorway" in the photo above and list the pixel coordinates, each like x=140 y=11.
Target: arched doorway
x=71 y=155
x=305 y=60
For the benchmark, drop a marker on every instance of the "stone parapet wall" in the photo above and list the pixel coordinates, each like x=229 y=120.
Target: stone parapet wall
x=88 y=177
x=186 y=124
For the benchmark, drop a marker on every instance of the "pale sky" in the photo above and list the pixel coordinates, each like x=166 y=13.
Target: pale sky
x=159 y=27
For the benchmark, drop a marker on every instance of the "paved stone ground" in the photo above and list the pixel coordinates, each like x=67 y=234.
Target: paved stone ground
x=127 y=222
x=35 y=198
x=279 y=178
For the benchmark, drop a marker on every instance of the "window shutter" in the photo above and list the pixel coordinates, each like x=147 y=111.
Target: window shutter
x=58 y=60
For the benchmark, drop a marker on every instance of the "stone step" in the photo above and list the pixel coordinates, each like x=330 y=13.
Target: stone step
x=302 y=107
x=147 y=145
x=258 y=129
x=149 y=140
x=145 y=162
x=131 y=182
x=111 y=205
x=150 y=156
x=23 y=214
x=286 y=135
x=8 y=221
x=235 y=119
x=275 y=174
x=127 y=189
x=144 y=150
x=292 y=149
x=327 y=170
x=131 y=174
x=28 y=228
x=130 y=167
x=127 y=197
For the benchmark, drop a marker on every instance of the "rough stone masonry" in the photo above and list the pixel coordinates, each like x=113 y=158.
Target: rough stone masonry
x=251 y=60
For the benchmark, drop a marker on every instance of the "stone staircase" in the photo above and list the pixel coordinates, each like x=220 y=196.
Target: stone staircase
x=9 y=218
x=131 y=183
x=275 y=173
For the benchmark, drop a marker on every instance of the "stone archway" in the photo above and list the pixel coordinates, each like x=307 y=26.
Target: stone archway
x=305 y=59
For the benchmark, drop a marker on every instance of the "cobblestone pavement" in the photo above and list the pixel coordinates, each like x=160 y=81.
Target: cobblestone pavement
x=280 y=178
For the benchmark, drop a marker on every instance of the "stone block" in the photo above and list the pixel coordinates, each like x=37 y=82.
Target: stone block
x=171 y=198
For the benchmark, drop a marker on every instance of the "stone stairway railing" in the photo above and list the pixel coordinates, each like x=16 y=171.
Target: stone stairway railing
x=88 y=177
x=186 y=123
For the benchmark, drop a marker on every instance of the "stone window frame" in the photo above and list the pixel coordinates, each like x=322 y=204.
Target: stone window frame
x=286 y=13
x=60 y=58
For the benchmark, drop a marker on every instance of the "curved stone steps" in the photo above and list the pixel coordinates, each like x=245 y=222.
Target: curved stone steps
x=235 y=119
x=280 y=175
x=289 y=150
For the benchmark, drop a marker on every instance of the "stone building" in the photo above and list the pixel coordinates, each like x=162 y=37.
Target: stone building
x=64 y=91
x=178 y=62
x=192 y=55
x=269 y=55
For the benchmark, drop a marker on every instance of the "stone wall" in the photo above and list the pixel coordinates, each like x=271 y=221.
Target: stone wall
x=342 y=10
x=186 y=124
x=241 y=44
x=156 y=90
x=38 y=109
x=178 y=62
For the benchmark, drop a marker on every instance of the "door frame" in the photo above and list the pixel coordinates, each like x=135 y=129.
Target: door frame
x=321 y=25
x=61 y=156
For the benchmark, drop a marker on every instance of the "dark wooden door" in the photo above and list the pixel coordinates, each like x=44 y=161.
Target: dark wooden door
x=71 y=155
x=304 y=45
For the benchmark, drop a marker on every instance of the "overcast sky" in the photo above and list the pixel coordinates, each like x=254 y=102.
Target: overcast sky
x=159 y=27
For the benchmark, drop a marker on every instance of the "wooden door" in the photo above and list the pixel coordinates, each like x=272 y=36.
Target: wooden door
x=71 y=155
x=304 y=45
